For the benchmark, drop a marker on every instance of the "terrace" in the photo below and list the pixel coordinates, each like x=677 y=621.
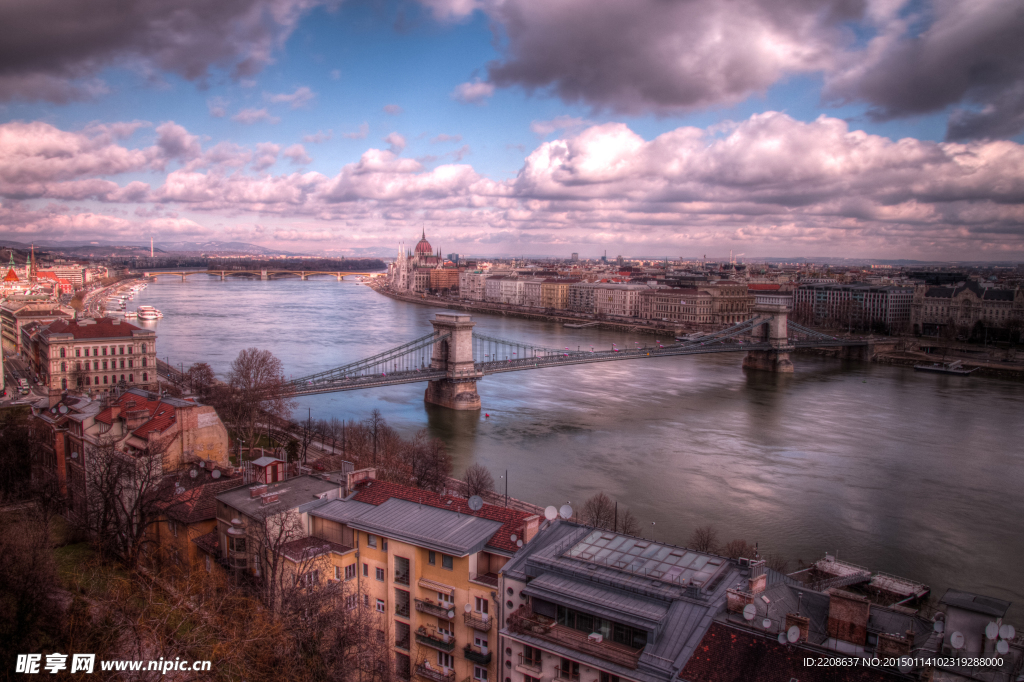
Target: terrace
x=524 y=621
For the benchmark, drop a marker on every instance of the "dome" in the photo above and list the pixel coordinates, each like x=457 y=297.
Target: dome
x=424 y=245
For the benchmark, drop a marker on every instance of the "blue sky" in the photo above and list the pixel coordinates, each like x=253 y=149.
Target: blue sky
x=559 y=150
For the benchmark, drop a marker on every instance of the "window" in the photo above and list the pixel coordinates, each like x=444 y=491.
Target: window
x=371 y=541
x=605 y=677
x=481 y=641
x=402 y=635
x=481 y=605
x=479 y=673
x=129 y=350
x=145 y=376
x=63 y=367
x=62 y=353
x=143 y=350
x=445 y=598
x=144 y=362
x=121 y=349
x=104 y=377
x=380 y=606
x=351 y=601
x=366 y=570
x=401 y=570
x=444 y=660
x=446 y=562
x=130 y=363
x=78 y=352
x=122 y=364
x=236 y=544
x=64 y=383
x=104 y=351
x=173 y=527
x=379 y=574
x=384 y=544
x=209 y=564
x=350 y=572
x=531 y=656
x=131 y=378
x=104 y=364
x=337 y=572
x=401 y=603
x=432 y=558
x=366 y=600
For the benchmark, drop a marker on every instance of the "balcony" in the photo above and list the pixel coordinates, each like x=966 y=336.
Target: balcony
x=436 y=639
x=565 y=675
x=428 y=672
x=525 y=622
x=477 y=655
x=432 y=608
x=488 y=579
x=478 y=621
x=529 y=667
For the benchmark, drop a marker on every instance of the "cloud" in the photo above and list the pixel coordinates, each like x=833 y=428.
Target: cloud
x=218 y=107
x=475 y=92
x=318 y=137
x=56 y=60
x=446 y=138
x=451 y=10
x=545 y=128
x=954 y=53
x=392 y=109
x=297 y=154
x=250 y=116
x=396 y=143
x=335 y=74
x=769 y=182
x=364 y=130
x=296 y=100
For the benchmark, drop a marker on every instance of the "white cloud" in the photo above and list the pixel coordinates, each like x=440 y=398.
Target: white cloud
x=474 y=92
x=297 y=155
x=545 y=128
x=364 y=130
x=396 y=143
x=296 y=100
x=250 y=116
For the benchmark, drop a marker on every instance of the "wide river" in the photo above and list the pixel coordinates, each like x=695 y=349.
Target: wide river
x=914 y=474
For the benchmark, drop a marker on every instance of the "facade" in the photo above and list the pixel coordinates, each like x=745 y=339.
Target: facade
x=472 y=285
x=92 y=354
x=690 y=307
x=936 y=308
x=427 y=563
x=73 y=274
x=532 y=292
x=444 y=279
x=19 y=311
x=492 y=288
x=618 y=300
x=730 y=302
x=554 y=293
x=858 y=306
x=410 y=272
x=582 y=296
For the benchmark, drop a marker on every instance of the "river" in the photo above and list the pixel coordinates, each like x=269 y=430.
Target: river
x=914 y=474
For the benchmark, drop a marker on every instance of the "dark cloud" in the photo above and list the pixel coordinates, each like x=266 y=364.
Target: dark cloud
x=47 y=47
x=968 y=52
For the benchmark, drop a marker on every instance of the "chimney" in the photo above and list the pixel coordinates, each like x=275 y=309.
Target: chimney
x=353 y=478
x=757 y=584
x=270 y=498
x=848 y=617
x=257 y=490
x=531 y=524
x=894 y=645
x=802 y=622
x=54 y=397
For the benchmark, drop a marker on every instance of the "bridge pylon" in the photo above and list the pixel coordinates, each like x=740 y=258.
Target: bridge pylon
x=776 y=307
x=454 y=355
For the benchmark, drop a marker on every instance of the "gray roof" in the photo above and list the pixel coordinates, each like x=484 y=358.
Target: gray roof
x=442 y=530
x=601 y=601
x=266 y=460
x=294 y=492
x=342 y=511
x=990 y=606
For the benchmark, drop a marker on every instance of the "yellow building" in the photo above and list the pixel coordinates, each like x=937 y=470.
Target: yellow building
x=554 y=293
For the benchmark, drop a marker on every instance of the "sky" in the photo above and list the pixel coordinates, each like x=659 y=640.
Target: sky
x=660 y=128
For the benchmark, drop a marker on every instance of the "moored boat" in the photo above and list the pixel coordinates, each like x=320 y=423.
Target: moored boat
x=955 y=367
x=148 y=312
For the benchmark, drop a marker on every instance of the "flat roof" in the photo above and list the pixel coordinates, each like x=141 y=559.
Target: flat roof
x=426 y=526
x=990 y=606
x=292 y=493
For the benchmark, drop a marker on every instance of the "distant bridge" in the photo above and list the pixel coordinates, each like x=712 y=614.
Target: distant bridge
x=263 y=274
x=453 y=357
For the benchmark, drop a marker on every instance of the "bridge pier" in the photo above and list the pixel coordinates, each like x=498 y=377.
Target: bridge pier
x=775 y=332
x=454 y=354
x=263 y=275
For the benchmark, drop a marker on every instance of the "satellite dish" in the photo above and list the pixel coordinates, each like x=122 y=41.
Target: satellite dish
x=904 y=668
x=550 y=513
x=514 y=538
x=793 y=634
x=957 y=640
x=63 y=409
x=939 y=626
x=519 y=543
x=451 y=613
x=216 y=474
x=53 y=410
x=476 y=503
x=202 y=464
x=1007 y=631
x=193 y=473
x=467 y=608
x=766 y=623
x=782 y=638
x=992 y=631
x=565 y=512
x=74 y=455
x=749 y=611
x=1002 y=647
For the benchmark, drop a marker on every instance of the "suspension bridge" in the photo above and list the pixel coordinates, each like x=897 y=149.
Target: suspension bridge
x=453 y=357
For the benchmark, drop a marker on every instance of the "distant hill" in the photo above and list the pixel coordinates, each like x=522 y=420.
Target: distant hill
x=216 y=248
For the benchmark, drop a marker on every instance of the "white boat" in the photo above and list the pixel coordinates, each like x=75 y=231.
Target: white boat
x=130 y=314
x=148 y=312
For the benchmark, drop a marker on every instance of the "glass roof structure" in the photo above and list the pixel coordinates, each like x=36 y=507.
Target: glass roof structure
x=665 y=563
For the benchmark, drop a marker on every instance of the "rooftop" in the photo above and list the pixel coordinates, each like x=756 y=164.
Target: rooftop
x=291 y=493
x=102 y=328
x=426 y=526
x=990 y=606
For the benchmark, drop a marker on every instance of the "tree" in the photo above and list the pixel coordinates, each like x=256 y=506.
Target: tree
x=736 y=549
x=374 y=423
x=257 y=392
x=430 y=462
x=201 y=380
x=307 y=431
x=16 y=443
x=628 y=523
x=476 y=480
x=598 y=511
x=703 y=539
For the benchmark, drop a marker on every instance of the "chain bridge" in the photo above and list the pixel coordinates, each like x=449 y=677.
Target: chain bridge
x=453 y=357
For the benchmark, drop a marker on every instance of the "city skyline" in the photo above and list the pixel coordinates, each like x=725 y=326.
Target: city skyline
x=886 y=130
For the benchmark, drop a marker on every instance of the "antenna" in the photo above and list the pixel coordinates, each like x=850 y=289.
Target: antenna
x=476 y=503
x=550 y=513
x=1007 y=631
x=451 y=613
x=519 y=543
x=565 y=512
x=513 y=538
x=782 y=638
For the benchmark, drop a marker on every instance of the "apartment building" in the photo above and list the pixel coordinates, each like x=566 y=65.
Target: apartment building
x=582 y=297
x=618 y=300
x=554 y=293
x=92 y=355
x=859 y=306
x=730 y=301
x=472 y=285
x=690 y=307
x=444 y=279
x=590 y=605
x=932 y=308
x=532 y=297
x=19 y=311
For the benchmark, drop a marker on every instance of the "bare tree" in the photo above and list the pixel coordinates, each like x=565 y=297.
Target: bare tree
x=776 y=562
x=703 y=539
x=628 y=523
x=307 y=432
x=269 y=531
x=476 y=480
x=735 y=549
x=257 y=392
x=374 y=423
x=430 y=462
x=598 y=511
x=201 y=380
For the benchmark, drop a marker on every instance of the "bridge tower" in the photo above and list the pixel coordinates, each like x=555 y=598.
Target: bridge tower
x=454 y=354
x=263 y=275
x=776 y=307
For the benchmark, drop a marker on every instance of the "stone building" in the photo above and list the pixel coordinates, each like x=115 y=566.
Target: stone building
x=21 y=310
x=856 y=306
x=690 y=307
x=411 y=271
x=554 y=293
x=934 y=309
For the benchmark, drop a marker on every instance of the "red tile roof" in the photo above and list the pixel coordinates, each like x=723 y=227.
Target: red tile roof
x=729 y=655
x=12 y=276
x=763 y=287
x=209 y=543
x=102 y=328
x=379 y=492
x=198 y=503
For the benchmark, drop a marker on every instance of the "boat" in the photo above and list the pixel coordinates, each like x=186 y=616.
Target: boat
x=148 y=312
x=130 y=314
x=580 y=325
x=955 y=367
